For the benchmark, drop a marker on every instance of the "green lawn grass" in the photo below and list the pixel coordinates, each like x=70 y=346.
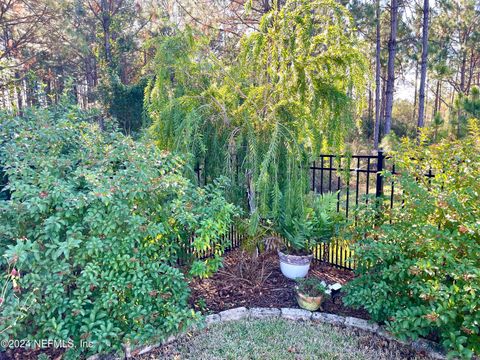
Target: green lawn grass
x=280 y=339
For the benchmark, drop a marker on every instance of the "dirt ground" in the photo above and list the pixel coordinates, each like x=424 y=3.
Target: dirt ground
x=258 y=282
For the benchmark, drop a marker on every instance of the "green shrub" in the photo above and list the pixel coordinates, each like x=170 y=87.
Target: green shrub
x=313 y=221
x=419 y=264
x=94 y=229
x=311 y=287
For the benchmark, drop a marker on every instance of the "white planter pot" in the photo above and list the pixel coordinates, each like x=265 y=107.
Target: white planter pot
x=294 y=266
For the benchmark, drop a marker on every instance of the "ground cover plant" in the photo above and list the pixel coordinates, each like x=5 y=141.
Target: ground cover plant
x=93 y=231
x=418 y=263
x=281 y=339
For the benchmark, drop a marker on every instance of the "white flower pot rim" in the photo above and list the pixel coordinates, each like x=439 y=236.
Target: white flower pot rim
x=295 y=259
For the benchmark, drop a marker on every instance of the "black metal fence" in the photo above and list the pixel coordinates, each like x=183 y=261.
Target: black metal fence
x=361 y=180
x=355 y=179
x=231 y=240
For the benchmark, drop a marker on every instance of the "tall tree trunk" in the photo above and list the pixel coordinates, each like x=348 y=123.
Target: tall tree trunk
x=95 y=72
x=463 y=69
x=376 y=132
x=423 y=71
x=383 y=101
x=18 y=88
x=90 y=78
x=28 y=91
x=437 y=98
x=392 y=48
x=123 y=70
x=439 y=108
x=459 y=120
x=426 y=99
x=106 y=30
x=452 y=97
x=370 y=103
x=75 y=92
x=470 y=71
x=60 y=82
x=48 y=88
x=416 y=92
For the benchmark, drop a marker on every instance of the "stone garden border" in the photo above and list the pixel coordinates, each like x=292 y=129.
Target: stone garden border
x=430 y=348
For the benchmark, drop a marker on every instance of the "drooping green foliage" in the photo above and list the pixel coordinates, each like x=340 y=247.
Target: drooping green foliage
x=94 y=229
x=306 y=61
x=176 y=96
x=418 y=263
x=294 y=89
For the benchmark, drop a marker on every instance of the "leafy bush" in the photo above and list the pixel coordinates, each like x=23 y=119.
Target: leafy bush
x=311 y=287
x=419 y=263
x=316 y=220
x=94 y=229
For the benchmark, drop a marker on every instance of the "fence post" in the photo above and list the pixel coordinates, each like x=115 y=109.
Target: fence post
x=379 y=182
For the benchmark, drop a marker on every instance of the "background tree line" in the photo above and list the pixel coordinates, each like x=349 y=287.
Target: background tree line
x=424 y=56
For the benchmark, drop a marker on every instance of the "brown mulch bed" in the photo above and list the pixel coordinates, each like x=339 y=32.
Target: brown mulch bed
x=258 y=282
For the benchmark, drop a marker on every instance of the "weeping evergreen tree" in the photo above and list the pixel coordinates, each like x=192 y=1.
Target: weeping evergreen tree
x=295 y=90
